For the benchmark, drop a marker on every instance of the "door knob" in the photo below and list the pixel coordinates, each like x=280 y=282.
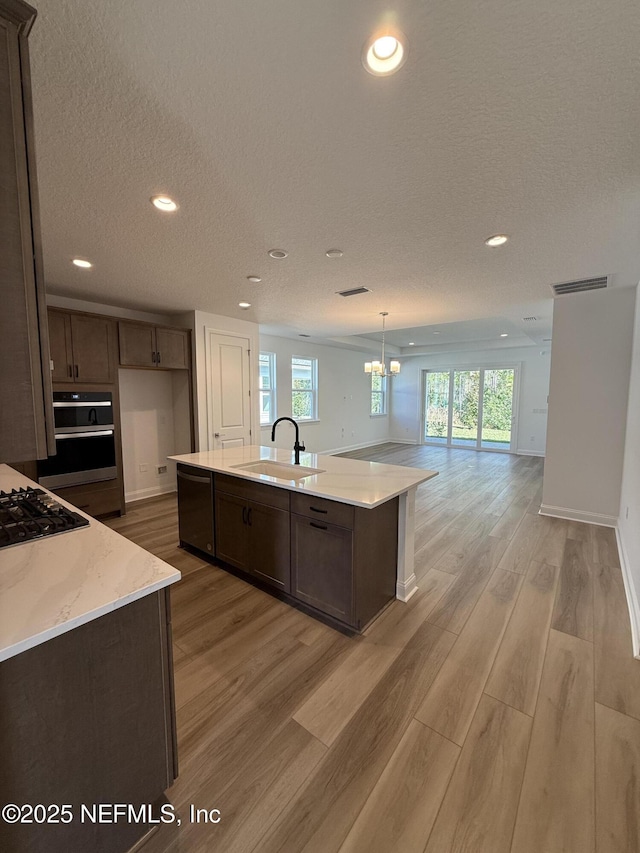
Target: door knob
x=218 y=435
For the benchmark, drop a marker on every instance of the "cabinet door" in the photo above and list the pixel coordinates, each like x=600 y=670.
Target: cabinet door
x=232 y=531
x=93 y=342
x=322 y=566
x=269 y=544
x=60 y=346
x=137 y=344
x=172 y=348
x=23 y=354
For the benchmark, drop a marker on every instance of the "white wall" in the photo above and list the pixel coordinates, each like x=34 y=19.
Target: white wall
x=406 y=404
x=344 y=398
x=201 y=323
x=629 y=522
x=588 y=393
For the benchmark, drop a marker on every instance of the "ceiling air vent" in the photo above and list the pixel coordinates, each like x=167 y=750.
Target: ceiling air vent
x=581 y=285
x=529 y=319
x=354 y=292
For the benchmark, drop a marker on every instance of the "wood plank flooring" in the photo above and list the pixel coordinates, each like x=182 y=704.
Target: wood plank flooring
x=498 y=711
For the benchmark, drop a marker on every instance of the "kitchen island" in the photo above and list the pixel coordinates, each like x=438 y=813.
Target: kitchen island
x=86 y=684
x=329 y=533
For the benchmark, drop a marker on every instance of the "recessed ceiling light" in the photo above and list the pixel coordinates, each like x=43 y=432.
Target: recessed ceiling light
x=496 y=240
x=164 y=203
x=85 y=265
x=411 y=344
x=278 y=254
x=254 y=279
x=504 y=335
x=334 y=253
x=244 y=305
x=384 y=54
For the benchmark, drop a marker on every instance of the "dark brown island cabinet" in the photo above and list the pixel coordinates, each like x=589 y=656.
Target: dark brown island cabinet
x=332 y=559
x=88 y=718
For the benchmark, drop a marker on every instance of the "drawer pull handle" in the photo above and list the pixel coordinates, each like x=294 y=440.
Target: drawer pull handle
x=244 y=515
x=319 y=526
x=323 y=511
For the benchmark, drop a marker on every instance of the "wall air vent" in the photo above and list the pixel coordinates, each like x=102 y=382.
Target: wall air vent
x=581 y=285
x=354 y=292
x=529 y=319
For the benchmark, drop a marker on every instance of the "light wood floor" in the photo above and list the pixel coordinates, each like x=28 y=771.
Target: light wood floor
x=499 y=710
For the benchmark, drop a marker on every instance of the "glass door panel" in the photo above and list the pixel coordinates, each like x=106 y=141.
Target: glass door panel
x=436 y=421
x=464 y=406
x=497 y=409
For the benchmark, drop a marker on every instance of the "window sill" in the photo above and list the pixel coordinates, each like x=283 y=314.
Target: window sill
x=383 y=415
x=299 y=421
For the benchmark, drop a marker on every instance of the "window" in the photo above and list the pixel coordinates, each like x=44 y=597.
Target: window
x=304 y=388
x=267 y=387
x=378 y=394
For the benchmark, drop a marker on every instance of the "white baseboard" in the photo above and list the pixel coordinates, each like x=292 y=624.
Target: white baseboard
x=402 y=441
x=530 y=453
x=151 y=492
x=578 y=515
x=632 y=595
x=349 y=447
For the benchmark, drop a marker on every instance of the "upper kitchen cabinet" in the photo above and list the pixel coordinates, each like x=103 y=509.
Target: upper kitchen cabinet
x=26 y=415
x=83 y=347
x=144 y=345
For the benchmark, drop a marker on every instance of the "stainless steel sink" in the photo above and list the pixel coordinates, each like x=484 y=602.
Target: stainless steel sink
x=279 y=470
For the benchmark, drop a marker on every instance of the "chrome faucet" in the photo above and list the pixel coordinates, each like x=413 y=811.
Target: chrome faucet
x=297 y=447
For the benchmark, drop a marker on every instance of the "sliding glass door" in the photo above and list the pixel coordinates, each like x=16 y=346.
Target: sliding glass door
x=470 y=408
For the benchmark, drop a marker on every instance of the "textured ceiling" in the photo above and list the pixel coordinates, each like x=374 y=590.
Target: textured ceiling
x=258 y=117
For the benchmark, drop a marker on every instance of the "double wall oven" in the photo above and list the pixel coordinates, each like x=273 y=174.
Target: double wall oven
x=85 y=440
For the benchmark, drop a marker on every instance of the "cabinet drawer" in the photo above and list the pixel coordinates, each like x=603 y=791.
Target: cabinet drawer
x=259 y=492
x=329 y=512
x=92 y=500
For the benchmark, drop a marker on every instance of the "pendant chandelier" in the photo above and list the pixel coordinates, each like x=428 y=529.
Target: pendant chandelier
x=380 y=367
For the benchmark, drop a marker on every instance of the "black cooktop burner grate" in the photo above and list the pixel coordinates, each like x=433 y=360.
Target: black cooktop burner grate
x=27 y=514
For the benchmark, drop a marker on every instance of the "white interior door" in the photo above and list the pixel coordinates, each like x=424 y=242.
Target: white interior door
x=228 y=391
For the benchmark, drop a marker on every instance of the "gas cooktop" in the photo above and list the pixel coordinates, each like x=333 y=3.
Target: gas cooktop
x=27 y=514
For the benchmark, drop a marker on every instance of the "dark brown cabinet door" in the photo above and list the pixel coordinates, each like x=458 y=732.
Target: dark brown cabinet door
x=322 y=566
x=232 y=530
x=60 y=346
x=172 y=348
x=93 y=342
x=269 y=558
x=137 y=344
x=25 y=398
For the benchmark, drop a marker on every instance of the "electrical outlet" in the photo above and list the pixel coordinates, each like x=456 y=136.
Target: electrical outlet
x=161 y=469
x=143 y=468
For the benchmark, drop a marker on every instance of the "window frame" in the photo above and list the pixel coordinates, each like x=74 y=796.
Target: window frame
x=271 y=392
x=382 y=394
x=313 y=391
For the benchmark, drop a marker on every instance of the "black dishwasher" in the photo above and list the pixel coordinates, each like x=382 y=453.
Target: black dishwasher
x=195 y=508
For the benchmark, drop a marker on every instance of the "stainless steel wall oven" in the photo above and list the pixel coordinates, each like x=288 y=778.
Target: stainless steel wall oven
x=85 y=440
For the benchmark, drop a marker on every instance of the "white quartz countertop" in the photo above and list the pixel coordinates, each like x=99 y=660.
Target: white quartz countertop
x=51 y=585
x=350 y=481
